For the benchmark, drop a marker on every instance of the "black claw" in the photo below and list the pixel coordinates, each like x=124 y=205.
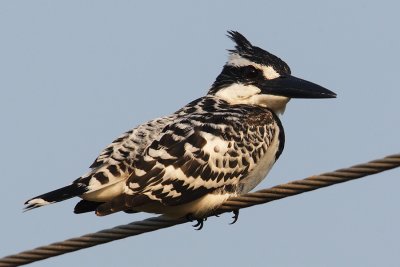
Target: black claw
x=200 y=222
x=235 y=216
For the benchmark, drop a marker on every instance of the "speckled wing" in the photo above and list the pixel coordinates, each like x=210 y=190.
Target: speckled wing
x=198 y=154
x=187 y=163
x=115 y=163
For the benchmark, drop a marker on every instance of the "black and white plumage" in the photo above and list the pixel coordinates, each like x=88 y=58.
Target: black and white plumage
x=190 y=162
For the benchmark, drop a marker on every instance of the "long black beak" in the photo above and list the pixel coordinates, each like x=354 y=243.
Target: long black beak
x=293 y=87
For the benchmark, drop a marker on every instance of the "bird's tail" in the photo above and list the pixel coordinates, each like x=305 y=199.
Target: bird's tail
x=58 y=195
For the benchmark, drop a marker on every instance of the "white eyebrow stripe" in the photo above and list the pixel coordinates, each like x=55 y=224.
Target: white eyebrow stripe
x=238 y=61
x=268 y=71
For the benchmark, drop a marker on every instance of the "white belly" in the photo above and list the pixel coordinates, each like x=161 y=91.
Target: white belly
x=198 y=208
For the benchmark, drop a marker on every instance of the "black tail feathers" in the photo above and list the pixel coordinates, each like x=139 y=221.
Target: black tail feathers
x=58 y=195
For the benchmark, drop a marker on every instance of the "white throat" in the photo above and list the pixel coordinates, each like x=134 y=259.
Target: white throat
x=249 y=94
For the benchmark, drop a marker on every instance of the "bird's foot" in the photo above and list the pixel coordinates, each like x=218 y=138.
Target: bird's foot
x=235 y=216
x=200 y=221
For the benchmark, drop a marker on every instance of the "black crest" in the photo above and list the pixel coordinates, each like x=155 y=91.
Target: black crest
x=255 y=54
x=242 y=44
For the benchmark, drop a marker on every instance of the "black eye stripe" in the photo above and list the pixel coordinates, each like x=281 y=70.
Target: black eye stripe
x=251 y=72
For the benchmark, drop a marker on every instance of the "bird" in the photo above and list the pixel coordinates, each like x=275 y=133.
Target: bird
x=189 y=163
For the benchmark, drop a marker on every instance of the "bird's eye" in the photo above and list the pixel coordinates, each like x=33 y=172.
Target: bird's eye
x=251 y=72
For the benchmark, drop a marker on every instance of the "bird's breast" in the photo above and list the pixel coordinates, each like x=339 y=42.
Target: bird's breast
x=263 y=166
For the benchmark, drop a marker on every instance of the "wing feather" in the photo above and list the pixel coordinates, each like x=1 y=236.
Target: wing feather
x=209 y=150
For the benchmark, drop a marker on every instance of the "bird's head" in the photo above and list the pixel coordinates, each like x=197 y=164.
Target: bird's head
x=255 y=77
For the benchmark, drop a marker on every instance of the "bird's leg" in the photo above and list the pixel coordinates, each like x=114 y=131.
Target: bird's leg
x=200 y=221
x=235 y=216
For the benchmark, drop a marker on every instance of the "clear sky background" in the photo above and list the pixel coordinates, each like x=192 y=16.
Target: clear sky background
x=76 y=74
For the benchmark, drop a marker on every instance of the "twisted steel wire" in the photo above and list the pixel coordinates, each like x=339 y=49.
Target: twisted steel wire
x=244 y=201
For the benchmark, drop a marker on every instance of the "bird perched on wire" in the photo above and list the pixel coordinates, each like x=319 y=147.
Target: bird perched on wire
x=188 y=163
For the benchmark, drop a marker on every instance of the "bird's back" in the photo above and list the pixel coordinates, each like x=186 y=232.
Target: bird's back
x=116 y=162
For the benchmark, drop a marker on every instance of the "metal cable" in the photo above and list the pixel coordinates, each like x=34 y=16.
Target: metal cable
x=247 y=200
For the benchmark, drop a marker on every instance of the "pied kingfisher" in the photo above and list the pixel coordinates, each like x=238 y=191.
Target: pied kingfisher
x=188 y=163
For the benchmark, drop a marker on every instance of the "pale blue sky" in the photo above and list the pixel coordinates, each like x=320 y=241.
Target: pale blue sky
x=76 y=74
